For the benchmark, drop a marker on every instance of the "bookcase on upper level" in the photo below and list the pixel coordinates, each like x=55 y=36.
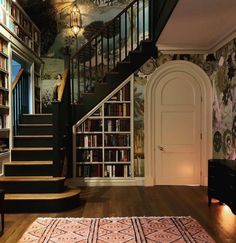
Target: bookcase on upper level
x=4 y=94
x=13 y=17
x=21 y=25
x=103 y=140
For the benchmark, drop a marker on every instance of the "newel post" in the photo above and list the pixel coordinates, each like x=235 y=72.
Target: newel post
x=56 y=138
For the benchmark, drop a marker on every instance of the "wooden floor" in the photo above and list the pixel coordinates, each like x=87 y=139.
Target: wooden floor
x=218 y=220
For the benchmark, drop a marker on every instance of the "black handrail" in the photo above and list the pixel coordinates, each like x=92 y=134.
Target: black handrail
x=109 y=46
x=62 y=128
x=20 y=97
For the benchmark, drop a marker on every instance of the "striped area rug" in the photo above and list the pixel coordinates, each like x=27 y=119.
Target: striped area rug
x=116 y=230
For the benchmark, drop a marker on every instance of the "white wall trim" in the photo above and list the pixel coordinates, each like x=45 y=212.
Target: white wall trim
x=206 y=90
x=200 y=49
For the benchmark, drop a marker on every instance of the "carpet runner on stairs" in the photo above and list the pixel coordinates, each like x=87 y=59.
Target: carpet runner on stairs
x=28 y=179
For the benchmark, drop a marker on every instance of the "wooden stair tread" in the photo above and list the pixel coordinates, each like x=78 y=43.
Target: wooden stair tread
x=29 y=163
x=43 y=196
x=30 y=149
x=30 y=178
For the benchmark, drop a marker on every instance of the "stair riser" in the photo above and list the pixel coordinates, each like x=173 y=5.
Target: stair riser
x=33 y=142
x=35 y=130
x=32 y=186
x=36 y=119
x=41 y=206
x=34 y=155
x=28 y=170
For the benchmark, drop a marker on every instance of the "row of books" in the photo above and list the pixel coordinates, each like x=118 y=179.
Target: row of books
x=89 y=171
x=117 y=125
x=3 y=63
x=92 y=155
x=111 y=155
x=117 y=171
x=122 y=95
x=121 y=140
x=115 y=109
x=3 y=80
x=3 y=121
x=20 y=33
x=89 y=140
x=90 y=125
x=21 y=19
x=109 y=171
x=114 y=155
x=3 y=46
x=3 y=98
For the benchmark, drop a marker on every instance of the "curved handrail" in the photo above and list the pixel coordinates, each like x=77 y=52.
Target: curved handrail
x=61 y=87
x=17 y=78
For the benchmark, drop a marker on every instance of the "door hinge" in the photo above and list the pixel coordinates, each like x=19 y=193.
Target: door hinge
x=201 y=136
x=201 y=98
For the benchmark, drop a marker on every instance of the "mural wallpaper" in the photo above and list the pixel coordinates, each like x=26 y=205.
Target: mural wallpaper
x=221 y=69
x=53 y=19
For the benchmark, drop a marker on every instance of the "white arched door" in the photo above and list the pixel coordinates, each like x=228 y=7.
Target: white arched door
x=178 y=125
x=177 y=130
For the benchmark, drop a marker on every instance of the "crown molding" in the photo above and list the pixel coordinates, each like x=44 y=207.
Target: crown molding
x=188 y=49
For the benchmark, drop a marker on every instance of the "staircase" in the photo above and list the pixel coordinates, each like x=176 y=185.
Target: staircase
x=28 y=181
x=33 y=180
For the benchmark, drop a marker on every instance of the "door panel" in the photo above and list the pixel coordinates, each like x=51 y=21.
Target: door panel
x=177 y=134
x=177 y=129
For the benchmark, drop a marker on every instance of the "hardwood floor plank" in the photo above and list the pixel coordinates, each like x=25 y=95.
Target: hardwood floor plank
x=217 y=220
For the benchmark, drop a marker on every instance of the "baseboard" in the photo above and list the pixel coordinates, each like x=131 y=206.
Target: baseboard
x=205 y=180
x=83 y=182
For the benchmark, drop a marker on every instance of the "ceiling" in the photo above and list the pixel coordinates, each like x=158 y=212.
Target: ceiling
x=199 y=25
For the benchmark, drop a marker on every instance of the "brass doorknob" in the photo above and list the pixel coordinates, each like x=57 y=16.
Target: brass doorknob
x=161 y=148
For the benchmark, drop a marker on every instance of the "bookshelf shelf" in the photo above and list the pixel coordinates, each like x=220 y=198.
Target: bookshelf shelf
x=103 y=139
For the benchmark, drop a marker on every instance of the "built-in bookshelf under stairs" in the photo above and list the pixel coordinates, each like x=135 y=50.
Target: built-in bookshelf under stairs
x=28 y=179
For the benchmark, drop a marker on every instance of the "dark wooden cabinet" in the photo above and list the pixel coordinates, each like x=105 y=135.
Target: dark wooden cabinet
x=222 y=182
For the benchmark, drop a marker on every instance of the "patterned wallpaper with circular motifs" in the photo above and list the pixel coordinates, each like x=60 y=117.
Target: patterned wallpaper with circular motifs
x=221 y=69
